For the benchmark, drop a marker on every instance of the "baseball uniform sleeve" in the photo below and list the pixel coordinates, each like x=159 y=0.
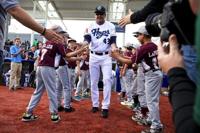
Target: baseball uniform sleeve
x=7 y=4
x=87 y=36
x=138 y=55
x=113 y=36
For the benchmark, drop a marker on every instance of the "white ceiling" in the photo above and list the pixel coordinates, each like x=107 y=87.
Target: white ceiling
x=79 y=9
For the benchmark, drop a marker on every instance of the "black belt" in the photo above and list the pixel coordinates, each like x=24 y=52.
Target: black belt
x=17 y=62
x=99 y=53
x=71 y=67
x=153 y=70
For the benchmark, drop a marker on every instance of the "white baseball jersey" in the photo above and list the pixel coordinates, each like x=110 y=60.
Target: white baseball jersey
x=100 y=36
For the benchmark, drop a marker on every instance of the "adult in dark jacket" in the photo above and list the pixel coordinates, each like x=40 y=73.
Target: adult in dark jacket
x=156 y=6
x=139 y=16
x=182 y=89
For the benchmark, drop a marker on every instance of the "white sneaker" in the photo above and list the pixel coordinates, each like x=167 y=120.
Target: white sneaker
x=127 y=103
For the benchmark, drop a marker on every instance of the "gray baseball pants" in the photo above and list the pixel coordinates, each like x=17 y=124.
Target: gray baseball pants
x=129 y=81
x=153 y=82
x=82 y=83
x=45 y=79
x=141 y=86
x=72 y=78
x=63 y=86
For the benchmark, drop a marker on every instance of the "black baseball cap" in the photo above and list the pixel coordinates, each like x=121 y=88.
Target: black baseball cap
x=100 y=10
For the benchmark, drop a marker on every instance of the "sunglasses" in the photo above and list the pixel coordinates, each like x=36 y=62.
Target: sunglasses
x=136 y=35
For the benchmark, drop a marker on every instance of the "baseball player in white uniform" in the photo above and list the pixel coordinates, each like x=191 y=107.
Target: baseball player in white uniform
x=102 y=38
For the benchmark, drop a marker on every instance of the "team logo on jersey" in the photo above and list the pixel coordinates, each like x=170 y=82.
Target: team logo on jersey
x=98 y=34
x=47 y=46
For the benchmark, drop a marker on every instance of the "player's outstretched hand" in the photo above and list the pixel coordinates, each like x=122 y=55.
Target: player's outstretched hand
x=115 y=54
x=126 y=19
x=85 y=46
x=114 y=48
x=82 y=48
x=83 y=57
x=171 y=59
x=53 y=36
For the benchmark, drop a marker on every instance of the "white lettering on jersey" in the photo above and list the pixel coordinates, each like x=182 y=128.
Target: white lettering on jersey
x=43 y=51
x=48 y=46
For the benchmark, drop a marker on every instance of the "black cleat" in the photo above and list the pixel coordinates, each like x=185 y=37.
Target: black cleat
x=104 y=113
x=29 y=117
x=60 y=108
x=70 y=109
x=95 y=109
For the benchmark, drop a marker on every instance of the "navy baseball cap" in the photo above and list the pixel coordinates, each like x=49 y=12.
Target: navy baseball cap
x=100 y=10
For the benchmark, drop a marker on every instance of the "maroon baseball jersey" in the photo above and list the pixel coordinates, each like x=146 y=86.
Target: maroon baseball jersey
x=71 y=64
x=62 y=60
x=48 y=53
x=84 y=64
x=128 y=54
x=147 y=55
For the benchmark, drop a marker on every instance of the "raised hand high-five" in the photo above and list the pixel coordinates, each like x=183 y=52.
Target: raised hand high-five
x=126 y=19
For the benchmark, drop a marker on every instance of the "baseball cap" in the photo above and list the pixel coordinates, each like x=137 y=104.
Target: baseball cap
x=128 y=45
x=100 y=10
x=66 y=34
x=141 y=30
x=71 y=40
x=135 y=46
x=58 y=29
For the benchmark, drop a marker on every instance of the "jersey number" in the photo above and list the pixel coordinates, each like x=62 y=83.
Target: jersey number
x=106 y=40
x=44 y=51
